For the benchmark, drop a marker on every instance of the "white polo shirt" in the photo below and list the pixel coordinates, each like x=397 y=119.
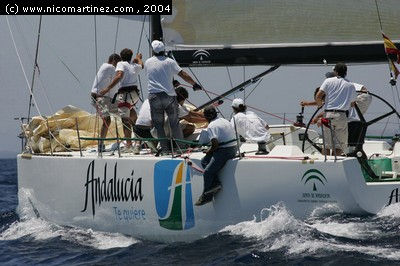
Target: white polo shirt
x=220 y=129
x=104 y=77
x=339 y=93
x=363 y=101
x=131 y=73
x=144 y=116
x=160 y=72
x=250 y=126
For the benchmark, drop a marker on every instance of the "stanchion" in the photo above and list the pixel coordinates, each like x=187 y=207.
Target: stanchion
x=79 y=136
x=118 y=144
x=48 y=130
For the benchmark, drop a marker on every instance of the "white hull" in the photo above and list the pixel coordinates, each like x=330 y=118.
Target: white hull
x=155 y=209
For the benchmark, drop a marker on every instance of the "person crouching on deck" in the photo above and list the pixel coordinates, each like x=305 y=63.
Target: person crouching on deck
x=223 y=148
x=103 y=104
x=250 y=126
x=185 y=114
x=128 y=93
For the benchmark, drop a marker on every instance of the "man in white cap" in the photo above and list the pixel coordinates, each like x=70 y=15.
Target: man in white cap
x=250 y=126
x=162 y=97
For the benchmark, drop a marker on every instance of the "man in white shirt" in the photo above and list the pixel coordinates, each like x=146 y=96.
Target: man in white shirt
x=185 y=115
x=143 y=127
x=339 y=94
x=162 y=97
x=221 y=135
x=250 y=126
x=363 y=101
x=103 y=104
x=128 y=93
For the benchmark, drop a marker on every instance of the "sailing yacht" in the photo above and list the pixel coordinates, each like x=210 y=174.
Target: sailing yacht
x=152 y=197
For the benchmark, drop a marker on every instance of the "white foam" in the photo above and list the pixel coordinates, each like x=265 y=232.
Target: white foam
x=39 y=229
x=350 y=230
x=281 y=231
x=277 y=219
x=326 y=209
x=391 y=211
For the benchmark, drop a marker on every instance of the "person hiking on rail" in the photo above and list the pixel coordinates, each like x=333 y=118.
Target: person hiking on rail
x=222 y=137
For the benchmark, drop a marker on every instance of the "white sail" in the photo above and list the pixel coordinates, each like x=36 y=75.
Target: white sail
x=258 y=22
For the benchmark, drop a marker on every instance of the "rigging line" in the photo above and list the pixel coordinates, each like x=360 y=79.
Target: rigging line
x=207 y=92
x=141 y=34
x=20 y=31
x=244 y=79
x=22 y=66
x=24 y=44
x=116 y=35
x=255 y=87
x=254 y=108
x=379 y=15
x=25 y=76
x=137 y=51
x=59 y=58
x=95 y=41
x=384 y=128
x=230 y=79
x=43 y=87
x=35 y=65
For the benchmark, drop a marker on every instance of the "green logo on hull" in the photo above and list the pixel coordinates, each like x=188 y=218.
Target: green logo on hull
x=315 y=176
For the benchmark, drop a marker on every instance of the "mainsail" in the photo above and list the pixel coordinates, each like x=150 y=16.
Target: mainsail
x=259 y=32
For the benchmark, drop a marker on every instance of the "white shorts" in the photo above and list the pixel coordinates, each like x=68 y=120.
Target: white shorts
x=126 y=101
x=104 y=107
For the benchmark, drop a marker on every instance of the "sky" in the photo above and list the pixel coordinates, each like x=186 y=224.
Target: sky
x=70 y=40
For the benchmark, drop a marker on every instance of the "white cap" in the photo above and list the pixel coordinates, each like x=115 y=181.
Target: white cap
x=237 y=102
x=157 y=46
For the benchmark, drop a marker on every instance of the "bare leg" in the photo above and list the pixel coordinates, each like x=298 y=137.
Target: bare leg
x=133 y=118
x=105 y=126
x=127 y=130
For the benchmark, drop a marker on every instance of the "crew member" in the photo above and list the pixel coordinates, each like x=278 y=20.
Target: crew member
x=162 y=97
x=128 y=94
x=185 y=115
x=363 y=101
x=221 y=135
x=250 y=126
x=339 y=94
x=143 y=126
x=103 y=103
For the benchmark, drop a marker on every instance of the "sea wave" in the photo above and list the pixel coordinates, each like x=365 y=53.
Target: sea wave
x=322 y=235
x=31 y=226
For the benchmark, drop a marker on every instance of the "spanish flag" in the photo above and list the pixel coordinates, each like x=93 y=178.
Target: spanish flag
x=393 y=54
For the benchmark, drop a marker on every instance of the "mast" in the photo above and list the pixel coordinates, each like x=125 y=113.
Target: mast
x=35 y=65
x=156 y=30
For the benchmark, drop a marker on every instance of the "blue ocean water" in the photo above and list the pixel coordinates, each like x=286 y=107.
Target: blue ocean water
x=328 y=238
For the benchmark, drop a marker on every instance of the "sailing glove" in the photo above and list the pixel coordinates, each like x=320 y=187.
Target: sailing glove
x=175 y=83
x=197 y=87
